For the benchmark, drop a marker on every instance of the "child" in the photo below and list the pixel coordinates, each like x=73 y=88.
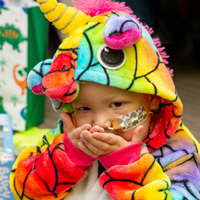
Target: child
x=121 y=108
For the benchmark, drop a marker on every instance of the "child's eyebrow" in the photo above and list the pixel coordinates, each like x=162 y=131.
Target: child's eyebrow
x=80 y=102
x=113 y=97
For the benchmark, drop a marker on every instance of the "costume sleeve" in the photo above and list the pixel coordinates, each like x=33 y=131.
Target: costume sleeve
x=180 y=160
x=132 y=153
x=78 y=157
x=44 y=172
x=143 y=179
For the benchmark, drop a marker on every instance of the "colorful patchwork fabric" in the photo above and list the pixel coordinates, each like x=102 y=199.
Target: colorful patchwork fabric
x=44 y=173
x=109 y=47
x=179 y=157
x=143 y=179
x=170 y=172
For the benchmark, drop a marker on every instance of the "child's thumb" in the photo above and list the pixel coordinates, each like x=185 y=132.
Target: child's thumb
x=67 y=122
x=138 y=134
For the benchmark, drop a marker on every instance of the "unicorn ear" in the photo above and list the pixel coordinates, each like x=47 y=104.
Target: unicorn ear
x=64 y=18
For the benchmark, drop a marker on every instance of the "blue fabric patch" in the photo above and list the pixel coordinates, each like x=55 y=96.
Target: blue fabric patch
x=88 y=67
x=146 y=35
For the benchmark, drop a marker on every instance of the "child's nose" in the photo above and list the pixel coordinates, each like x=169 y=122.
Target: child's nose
x=103 y=120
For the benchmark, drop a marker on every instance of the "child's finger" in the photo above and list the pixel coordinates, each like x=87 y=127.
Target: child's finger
x=86 y=150
x=138 y=134
x=96 y=146
x=68 y=125
x=114 y=142
x=97 y=129
x=108 y=138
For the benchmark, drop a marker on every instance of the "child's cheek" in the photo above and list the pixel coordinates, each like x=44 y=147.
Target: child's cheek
x=127 y=135
x=82 y=120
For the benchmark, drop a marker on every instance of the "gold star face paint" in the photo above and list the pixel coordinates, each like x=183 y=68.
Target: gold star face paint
x=129 y=120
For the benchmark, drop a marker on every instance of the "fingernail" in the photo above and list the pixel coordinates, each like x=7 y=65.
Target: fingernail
x=86 y=127
x=80 y=144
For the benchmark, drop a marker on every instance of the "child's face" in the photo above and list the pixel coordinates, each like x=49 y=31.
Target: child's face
x=98 y=104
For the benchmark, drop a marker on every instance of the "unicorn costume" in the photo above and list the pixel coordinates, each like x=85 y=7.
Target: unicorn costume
x=107 y=44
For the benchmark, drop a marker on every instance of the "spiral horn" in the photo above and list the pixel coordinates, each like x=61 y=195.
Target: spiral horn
x=63 y=17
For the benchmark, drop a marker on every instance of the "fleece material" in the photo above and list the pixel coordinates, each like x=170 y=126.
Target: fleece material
x=98 y=49
x=170 y=172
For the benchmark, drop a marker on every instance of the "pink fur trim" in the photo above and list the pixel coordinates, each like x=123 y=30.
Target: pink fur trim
x=97 y=7
x=163 y=54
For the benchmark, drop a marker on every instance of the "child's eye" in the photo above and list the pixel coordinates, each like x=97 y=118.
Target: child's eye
x=84 y=108
x=117 y=104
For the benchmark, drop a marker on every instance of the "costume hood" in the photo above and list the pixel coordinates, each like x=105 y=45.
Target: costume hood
x=111 y=47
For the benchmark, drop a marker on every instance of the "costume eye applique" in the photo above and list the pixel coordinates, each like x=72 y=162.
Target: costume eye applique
x=110 y=58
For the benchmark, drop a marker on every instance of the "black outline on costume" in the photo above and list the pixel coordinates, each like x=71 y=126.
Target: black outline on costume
x=145 y=75
x=45 y=140
x=133 y=194
x=114 y=13
x=171 y=149
x=73 y=50
x=150 y=167
x=69 y=94
x=91 y=27
x=122 y=25
x=136 y=65
x=91 y=59
x=165 y=132
x=40 y=72
x=150 y=147
x=56 y=175
x=131 y=181
x=177 y=116
x=120 y=31
x=185 y=185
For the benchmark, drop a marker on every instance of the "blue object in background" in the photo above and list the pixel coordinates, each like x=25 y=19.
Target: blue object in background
x=7 y=156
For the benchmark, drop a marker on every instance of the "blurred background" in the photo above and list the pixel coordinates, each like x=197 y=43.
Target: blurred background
x=177 y=24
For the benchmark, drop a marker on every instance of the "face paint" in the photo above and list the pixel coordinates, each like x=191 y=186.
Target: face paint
x=129 y=120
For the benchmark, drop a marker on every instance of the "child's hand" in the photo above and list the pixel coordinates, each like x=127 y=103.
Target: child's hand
x=100 y=143
x=72 y=132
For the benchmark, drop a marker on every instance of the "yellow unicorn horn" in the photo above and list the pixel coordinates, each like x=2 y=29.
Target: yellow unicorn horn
x=63 y=17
